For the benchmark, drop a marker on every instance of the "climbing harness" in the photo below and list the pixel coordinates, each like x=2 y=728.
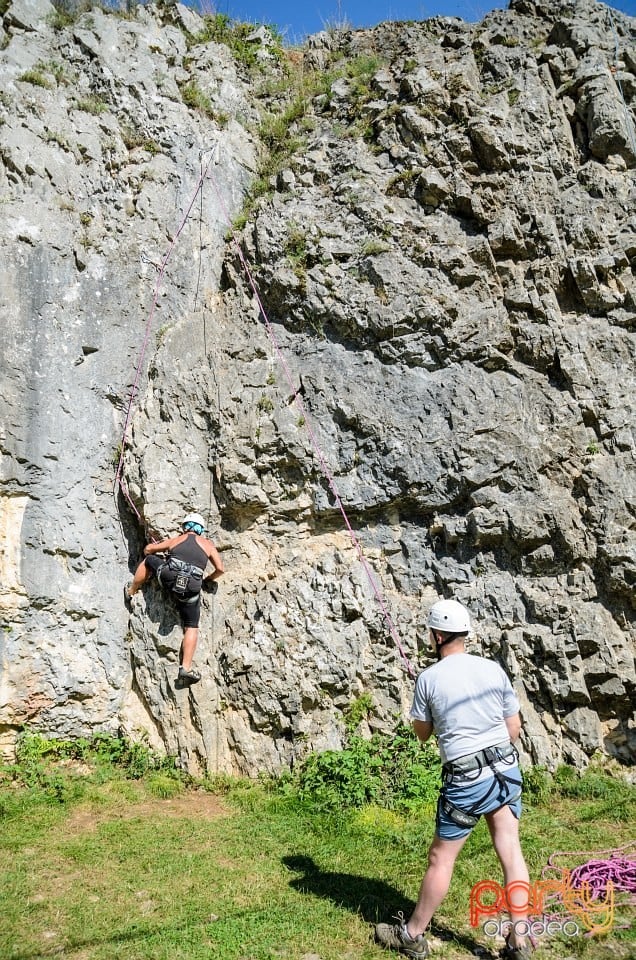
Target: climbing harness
x=469 y=769
x=181 y=578
x=475 y=762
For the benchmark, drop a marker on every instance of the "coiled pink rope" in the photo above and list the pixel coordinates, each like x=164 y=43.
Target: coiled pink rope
x=621 y=871
x=617 y=866
x=601 y=871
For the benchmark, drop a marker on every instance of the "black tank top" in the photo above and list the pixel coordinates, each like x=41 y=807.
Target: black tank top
x=190 y=552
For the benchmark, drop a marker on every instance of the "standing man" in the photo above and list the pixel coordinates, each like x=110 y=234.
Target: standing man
x=179 y=564
x=469 y=703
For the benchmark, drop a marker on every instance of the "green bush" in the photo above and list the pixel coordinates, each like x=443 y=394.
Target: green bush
x=537 y=784
x=220 y=28
x=133 y=138
x=92 y=104
x=274 y=130
x=164 y=786
x=396 y=772
x=593 y=784
x=36 y=77
x=357 y=711
x=361 y=71
x=46 y=765
x=350 y=777
x=391 y=770
x=296 y=245
x=194 y=97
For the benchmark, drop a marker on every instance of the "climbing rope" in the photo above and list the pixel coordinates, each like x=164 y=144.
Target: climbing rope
x=617 y=866
x=601 y=872
x=297 y=401
x=119 y=483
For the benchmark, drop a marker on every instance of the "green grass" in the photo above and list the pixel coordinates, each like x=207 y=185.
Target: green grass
x=196 y=99
x=35 y=77
x=92 y=104
x=137 y=861
x=221 y=28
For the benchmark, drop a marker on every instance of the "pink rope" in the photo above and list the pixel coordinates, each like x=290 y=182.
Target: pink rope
x=621 y=871
x=616 y=867
x=312 y=436
x=119 y=481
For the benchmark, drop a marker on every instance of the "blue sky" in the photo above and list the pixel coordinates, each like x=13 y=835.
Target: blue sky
x=296 y=18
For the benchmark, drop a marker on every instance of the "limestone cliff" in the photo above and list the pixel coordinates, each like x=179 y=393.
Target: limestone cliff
x=440 y=222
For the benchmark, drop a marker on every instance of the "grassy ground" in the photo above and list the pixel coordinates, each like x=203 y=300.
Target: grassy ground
x=101 y=867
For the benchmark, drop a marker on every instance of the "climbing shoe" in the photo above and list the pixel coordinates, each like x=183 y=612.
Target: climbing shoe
x=128 y=597
x=394 y=936
x=186 y=678
x=516 y=953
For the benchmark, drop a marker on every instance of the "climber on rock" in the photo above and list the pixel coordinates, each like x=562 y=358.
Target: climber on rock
x=179 y=565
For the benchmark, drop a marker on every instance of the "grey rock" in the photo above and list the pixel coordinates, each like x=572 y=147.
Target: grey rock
x=261 y=35
x=188 y=19
x=431 y=188
x=447 y=269
x=585 y=728
x=610 y=127
x=29 y=14
x=488 y=146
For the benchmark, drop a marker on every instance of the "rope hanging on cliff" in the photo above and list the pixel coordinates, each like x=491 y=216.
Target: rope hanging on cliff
x=297 y=400
x=119 y=483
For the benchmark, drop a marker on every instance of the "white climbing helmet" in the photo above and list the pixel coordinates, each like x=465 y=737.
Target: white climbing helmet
x=449 y=616
x=194 y=520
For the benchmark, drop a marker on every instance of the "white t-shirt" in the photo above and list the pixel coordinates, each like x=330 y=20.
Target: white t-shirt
x=466 y=698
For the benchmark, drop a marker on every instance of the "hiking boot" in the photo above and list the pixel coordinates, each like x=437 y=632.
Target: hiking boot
x=394 y=936
x=186 y=678
x=516 y=953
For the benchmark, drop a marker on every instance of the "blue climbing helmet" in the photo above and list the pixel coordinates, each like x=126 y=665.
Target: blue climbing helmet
x=193 y=523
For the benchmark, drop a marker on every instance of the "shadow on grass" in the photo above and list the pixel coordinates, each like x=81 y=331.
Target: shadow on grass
x=373 y=900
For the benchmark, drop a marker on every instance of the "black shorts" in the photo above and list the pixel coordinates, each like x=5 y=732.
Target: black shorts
x=190 y=612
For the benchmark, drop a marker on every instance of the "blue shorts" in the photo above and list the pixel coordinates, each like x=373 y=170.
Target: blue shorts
x=483 y=796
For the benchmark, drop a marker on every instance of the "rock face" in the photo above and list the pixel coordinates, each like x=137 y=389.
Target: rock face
x=446 y=356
